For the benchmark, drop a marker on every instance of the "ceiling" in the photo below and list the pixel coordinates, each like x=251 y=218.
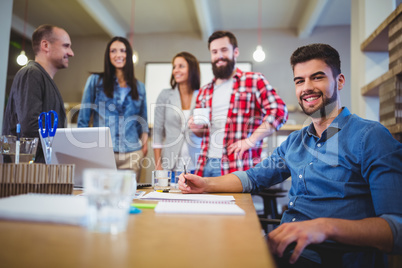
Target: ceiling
x=114 y=17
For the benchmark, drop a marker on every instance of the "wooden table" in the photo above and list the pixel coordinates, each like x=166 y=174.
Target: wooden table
x=151 y=240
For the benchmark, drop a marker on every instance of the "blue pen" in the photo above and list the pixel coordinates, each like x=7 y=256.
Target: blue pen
x=17 y=145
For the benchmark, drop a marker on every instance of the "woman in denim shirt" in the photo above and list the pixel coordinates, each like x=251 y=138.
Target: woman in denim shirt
x=116 y=99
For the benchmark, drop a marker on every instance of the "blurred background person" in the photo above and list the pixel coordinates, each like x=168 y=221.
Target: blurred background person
x=116 y=99
x=243 y=109
x=174 y=143
x=33 y=90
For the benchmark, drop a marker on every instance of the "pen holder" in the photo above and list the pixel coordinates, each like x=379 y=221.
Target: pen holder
x=25 y=178
x=27 y=149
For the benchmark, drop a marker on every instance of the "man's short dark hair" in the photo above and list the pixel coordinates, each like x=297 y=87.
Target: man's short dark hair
x=43 y=32
x=220 y=34
x=320 y=52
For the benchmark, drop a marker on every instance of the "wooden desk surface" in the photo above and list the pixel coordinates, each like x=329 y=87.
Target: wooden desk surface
x=151 y=240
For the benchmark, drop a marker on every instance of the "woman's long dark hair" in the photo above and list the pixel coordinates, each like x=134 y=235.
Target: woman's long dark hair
x=108 y=75
x=193 y=70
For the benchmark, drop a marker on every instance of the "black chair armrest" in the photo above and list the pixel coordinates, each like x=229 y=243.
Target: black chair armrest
x=331 y=252
x=270 y=221
x=334 y=247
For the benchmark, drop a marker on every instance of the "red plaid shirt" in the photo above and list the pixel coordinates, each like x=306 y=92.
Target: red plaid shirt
x=253 y=100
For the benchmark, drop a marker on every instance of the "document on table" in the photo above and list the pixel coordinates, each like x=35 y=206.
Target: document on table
x=199 y=197
x=65 y=209
x=198 y=207
x=194 y=203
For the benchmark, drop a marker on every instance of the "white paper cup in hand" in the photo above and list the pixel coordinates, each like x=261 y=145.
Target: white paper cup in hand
x=201 y=116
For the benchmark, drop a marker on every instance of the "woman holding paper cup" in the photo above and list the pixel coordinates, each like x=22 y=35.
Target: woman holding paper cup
x=174 y=144
x=116 y=99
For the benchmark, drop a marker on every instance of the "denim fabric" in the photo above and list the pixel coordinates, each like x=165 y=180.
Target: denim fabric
x=126 y=119
x=213 y=168
x=353 y=171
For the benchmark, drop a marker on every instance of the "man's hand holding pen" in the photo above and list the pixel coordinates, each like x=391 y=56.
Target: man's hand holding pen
x=190 y=183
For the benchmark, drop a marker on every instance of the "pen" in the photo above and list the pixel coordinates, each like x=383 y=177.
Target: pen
x=17 y=145
x=185 y=172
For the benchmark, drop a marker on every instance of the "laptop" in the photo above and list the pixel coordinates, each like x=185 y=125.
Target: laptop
x=89 y=147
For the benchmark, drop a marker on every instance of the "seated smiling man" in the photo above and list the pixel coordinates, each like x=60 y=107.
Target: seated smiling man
x=346 y=172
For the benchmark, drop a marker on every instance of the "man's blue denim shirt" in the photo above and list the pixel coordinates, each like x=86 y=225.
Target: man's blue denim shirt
x=126 y=118
x=354 y=171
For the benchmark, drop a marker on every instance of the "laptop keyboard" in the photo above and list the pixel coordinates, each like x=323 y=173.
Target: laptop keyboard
x=143 y=185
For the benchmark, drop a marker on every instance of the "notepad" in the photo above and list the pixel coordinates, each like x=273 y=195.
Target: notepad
x=198 y=207
x=194 y=197
x=64 y=209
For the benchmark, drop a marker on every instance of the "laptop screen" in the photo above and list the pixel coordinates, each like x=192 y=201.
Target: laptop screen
x=89 y=147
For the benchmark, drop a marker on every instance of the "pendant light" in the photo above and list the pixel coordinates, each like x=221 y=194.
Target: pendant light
x=22 y=58
x=259 y=54
x=135 y=53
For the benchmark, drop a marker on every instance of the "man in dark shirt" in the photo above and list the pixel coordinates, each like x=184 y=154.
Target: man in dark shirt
x=33 y=90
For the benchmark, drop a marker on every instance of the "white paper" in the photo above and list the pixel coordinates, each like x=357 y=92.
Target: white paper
x=203 y=197
x=65 y=209
x=198 y=207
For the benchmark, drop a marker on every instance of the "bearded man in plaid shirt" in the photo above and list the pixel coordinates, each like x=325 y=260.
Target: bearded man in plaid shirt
x=244 y=108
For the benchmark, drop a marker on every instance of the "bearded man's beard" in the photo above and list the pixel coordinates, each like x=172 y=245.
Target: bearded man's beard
x=223 y=72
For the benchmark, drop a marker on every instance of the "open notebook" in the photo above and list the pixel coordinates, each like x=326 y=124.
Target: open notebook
x=194 y=204
x=198 y=207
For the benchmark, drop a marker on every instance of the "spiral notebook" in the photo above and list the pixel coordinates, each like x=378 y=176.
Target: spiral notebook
x=194 y=197
x=198 y=207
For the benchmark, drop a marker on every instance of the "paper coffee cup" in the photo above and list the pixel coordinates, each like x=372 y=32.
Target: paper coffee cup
x=201 y=116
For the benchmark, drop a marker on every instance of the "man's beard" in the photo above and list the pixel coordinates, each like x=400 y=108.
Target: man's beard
x=326 y=107
x=223 y=72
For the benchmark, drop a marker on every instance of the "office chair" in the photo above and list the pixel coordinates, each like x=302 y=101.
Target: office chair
x=266 y=205
x=330 y=252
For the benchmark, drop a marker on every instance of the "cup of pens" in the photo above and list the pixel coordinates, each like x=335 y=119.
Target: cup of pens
x=174 y=184
x=27 y=149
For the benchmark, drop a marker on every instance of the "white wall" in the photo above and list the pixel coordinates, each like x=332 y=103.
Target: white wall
x=278 y=45
x=367 y=15
x=6 y=8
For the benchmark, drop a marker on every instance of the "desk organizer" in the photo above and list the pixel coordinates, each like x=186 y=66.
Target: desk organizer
x=25 y=178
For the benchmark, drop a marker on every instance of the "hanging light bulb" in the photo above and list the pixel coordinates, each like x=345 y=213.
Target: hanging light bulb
x=22 y=58
x=259 y=54
x=135 y=57
x=135 y=53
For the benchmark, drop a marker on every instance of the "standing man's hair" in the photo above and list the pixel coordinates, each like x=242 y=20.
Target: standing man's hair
x=43 y=32
x=220 y=34
x=320 y=52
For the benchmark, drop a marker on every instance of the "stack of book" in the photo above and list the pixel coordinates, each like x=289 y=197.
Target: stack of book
x=395 y=42
x=390 y=91
x=391 y=101
x=16 y=179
